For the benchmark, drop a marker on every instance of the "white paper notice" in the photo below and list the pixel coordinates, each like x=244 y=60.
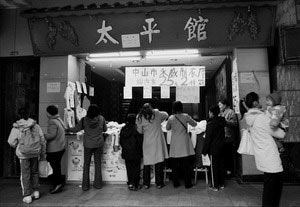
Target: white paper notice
x=78 y=86
x=247 y=78
x=84 y=88
x=91 y=91
x=130 y=40
x=127 y=93
x=164 y=92
x=53 y=87
x=147 y=92
x=188 y=94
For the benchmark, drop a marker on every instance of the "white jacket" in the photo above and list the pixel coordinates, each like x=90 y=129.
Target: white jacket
x=15 y=135
x=266 y=154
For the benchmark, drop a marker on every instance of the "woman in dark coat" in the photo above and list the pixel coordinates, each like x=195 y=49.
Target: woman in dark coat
x=131 y=142
x=214 y=146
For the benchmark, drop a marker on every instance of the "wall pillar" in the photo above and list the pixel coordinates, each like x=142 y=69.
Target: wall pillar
x=252 y=63
x=58 y=70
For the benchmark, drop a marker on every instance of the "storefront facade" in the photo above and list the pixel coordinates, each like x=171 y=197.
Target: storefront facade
x=241 y=31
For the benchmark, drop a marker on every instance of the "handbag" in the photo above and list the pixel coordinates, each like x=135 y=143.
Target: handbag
x=45 y=169
x=246 y=145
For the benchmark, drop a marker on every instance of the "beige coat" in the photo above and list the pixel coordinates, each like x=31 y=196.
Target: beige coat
x=181 y=144
x=154 y=144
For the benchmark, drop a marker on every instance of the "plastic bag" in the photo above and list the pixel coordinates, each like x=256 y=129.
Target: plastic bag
x=246 y=145
x=45 y=169
x=205 y=160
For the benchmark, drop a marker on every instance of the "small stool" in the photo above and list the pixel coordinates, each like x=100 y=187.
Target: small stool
x=166 y=170
x=203 y=169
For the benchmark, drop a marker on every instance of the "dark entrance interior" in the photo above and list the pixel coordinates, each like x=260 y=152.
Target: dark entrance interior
x=19 y=88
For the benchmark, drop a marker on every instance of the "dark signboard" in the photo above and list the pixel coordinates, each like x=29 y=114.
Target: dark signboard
x=208 y=28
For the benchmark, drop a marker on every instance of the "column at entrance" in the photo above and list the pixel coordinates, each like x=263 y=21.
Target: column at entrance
x=55 y=72
x=253 y=75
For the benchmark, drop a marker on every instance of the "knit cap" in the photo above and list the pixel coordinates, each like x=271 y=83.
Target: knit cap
x=275 y=98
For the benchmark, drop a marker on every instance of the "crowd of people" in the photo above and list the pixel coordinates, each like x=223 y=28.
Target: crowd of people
x=142 y=138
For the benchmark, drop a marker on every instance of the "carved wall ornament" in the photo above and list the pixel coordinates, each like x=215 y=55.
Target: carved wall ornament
x=52 y=33
x=253 y=26
x=65 y=30
x=241 y=23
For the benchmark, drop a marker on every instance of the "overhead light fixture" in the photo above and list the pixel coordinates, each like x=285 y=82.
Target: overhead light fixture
x=114 y=59
x=172 y=56
x=115 y=54
x=110 y=54
x=172 y=52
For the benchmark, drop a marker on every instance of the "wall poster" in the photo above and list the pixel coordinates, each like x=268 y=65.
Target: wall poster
x=165 y=76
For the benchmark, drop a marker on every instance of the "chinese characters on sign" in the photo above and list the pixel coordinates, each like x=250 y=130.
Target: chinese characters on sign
x=104 y=34
x=196 y=28
x=150 y=30
x=165 y=76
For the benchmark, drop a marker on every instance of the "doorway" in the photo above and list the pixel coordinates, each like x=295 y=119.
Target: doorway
x=19 y=88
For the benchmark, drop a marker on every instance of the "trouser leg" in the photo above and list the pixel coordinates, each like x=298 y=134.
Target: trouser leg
x=25 y=177
x=175 y=170
x=137 y=170
x=130 y=171
x=34 y=173
x=187 y=168
x=54 y=158
x=86 y=167
x=228 y=154
x=146 y=175
x=215 y=171
x=98 y=171
x=272 y=189
x=159 y=174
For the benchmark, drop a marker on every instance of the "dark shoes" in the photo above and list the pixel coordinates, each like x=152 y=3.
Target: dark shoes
x=188 y=186
x=132 y=187
x=146 y=186
x=57 y=189
x=160 y=186
x=176 y=184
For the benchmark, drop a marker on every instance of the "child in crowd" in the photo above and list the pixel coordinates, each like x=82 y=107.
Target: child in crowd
x=131 y=142
x=28 y=139
x=277 y=113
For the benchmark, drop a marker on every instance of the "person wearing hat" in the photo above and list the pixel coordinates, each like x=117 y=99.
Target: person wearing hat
x=277 y=114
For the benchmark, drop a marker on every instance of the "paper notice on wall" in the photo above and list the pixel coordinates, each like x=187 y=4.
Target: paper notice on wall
x=188 y=94
x=84 y=88
x=53 y=87
x=130 y=40
x=91 y=91
x=247 y=78
x=165 y=92
x=78 y=86
x=127 y=92
x=147 y=92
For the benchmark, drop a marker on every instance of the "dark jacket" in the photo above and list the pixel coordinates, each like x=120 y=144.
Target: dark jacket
x=215 y=136
x=131 y=142
x=93 y=131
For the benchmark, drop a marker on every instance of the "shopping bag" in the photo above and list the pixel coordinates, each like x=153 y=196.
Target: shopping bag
x=45 y=169
x=246 y=145
x=205 y=160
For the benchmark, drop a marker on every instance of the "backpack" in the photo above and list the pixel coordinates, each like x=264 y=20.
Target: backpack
x=29 y=143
